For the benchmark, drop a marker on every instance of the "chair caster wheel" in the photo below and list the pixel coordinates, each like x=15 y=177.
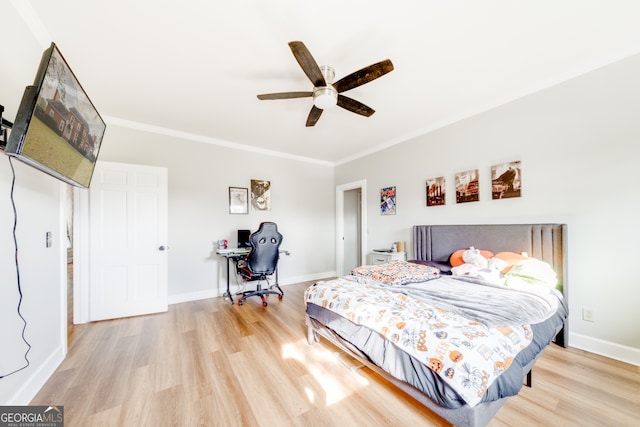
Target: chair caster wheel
x=264 y=303
x=240 y=302
x=280 y=297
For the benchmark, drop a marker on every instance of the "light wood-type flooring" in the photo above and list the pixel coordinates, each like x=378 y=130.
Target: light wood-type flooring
x=210 y=363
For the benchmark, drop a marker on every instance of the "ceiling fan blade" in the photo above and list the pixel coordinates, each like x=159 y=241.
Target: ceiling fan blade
x=364 y=75
x=285 y=95
x=355 y=106
x=314 y=115
x=307 y=63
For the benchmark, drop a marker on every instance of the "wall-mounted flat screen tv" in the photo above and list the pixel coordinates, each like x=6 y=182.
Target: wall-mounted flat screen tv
x=57 y=129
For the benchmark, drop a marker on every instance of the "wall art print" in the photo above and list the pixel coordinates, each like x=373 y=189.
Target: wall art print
x=238 y=200
x=506 y=180
x=260 y=195
x=388 y=201
x=436 y=191
x=467 y=188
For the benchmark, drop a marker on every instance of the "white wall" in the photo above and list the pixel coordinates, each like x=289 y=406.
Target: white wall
x=200 y=174
x=38 y=202
x=578 y=143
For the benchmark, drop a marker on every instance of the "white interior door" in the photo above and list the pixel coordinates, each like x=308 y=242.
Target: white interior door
x=127 y=241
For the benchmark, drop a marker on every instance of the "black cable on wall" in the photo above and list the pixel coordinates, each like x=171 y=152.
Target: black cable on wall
x=15 y=244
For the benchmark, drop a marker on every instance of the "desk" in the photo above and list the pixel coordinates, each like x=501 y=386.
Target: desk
x=235 y=255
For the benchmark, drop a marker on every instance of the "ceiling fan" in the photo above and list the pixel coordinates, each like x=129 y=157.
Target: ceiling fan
x=325 y=93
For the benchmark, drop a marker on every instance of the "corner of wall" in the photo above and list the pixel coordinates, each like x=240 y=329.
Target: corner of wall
x=25 y=394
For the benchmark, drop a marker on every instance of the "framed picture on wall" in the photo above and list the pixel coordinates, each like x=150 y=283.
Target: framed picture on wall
x=388 y=201
x=238 y=200
x=506 y=180
x=436 y=191
x=467 y=188
x=260 y=195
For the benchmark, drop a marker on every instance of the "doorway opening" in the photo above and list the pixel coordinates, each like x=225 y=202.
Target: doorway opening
x=72 y=329
x=351 y=226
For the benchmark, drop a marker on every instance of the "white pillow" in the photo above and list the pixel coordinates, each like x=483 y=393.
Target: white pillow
x=532 y=271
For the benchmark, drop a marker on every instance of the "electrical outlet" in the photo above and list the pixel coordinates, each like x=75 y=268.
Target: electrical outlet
x=587 y=315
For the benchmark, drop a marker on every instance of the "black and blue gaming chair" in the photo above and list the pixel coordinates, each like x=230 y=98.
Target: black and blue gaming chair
x=262 y=262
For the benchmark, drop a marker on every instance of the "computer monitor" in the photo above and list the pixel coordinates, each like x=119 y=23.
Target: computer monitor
x=243 y=238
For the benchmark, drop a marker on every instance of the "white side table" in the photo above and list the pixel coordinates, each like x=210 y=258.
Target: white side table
x=382 y=257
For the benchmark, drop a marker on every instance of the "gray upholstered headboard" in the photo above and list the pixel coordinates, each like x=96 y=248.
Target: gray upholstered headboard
x=547 y=242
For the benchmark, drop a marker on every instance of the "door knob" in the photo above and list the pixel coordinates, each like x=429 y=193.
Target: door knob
x=162 y=248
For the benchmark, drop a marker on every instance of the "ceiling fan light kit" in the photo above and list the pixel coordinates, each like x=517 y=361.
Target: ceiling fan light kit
x=325 y=97
x=327 y=94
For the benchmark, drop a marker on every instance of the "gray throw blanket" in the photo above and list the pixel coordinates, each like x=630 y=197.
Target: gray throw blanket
x=478 y=300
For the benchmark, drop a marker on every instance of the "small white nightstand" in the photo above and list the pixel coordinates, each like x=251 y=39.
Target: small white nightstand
x=382 y=257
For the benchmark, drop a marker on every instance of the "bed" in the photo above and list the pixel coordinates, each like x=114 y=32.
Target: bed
x=425 y=330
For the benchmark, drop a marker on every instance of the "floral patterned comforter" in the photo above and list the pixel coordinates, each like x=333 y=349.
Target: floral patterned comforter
x=466 y=353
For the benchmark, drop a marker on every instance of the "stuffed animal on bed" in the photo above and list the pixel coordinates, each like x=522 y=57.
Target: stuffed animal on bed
x=474 y=257
x=477 y=265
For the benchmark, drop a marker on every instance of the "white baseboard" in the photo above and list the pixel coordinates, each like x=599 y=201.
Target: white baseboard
x=211 y=293
x=307 y=278
x=605 y=348
x=191 y=296
x=37 y=380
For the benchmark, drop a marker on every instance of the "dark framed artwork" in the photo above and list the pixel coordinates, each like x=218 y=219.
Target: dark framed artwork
x=506 y=180
x=388 y=201
x=467 y=188
x=436 y=191
x=238 y=200
x=260 y=195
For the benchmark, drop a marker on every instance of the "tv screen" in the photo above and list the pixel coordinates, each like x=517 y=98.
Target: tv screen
x=57 y=129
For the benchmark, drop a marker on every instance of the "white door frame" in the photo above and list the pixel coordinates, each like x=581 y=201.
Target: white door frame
x=64 y=282
x=340 y=190
x=80 y=256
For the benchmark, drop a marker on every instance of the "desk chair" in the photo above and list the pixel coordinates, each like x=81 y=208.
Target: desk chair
x=261 y=262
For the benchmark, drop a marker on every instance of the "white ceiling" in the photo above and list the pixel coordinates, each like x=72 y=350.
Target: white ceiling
x=193 y=68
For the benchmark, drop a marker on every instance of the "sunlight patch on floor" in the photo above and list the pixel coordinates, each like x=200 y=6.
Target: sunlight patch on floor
x=310 y=395
x=332 y=374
